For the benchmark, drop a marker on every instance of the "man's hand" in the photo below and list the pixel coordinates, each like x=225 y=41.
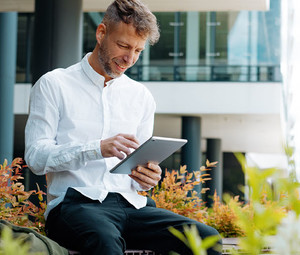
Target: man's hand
x=147 y=177
x=114 y=146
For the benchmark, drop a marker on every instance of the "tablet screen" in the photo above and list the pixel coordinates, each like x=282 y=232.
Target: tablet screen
x=155 y=149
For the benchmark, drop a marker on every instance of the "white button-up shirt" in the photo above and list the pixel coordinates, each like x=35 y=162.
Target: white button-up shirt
x=71 y=111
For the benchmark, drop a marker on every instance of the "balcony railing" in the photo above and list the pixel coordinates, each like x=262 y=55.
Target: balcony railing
x=228 y=73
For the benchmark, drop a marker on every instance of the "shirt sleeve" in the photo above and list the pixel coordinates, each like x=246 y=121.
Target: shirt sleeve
x=145 y=128
x=42 y=154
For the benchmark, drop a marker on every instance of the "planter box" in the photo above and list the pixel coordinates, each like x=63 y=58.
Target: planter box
x=232 y=243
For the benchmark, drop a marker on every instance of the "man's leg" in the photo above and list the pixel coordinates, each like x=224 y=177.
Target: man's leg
x=91 y=227
x=148 y=229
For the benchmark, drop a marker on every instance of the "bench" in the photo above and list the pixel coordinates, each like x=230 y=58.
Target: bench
x=127 y=252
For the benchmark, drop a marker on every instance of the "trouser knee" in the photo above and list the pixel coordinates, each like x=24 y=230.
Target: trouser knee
x=107 y=243
x=206 y=231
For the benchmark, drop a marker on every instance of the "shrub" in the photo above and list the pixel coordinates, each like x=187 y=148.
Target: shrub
x=176 y=193
x=223 y=218
x=14 y=200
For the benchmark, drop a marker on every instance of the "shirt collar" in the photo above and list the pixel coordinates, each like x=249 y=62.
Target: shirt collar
x=95 y=77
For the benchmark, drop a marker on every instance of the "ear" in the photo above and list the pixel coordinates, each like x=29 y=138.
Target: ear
x=100 y=32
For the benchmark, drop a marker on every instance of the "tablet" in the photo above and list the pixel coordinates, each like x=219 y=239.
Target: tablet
x=156 y=149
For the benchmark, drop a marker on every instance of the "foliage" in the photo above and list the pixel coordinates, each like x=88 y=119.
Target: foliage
x=192 y=239
x=177 y=193
x=273 y=208
x=9 y=245
x=223 y=218
x=14 y=200
x=271 y=199
x=270 y=220
x=270 y=203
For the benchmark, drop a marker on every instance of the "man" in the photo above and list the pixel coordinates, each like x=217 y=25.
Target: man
x=82 y=121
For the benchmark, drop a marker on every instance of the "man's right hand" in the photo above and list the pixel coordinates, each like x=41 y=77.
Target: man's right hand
x=114 y=146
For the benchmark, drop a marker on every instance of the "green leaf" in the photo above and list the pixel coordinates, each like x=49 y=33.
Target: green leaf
x=178 y=234
x=210 y=241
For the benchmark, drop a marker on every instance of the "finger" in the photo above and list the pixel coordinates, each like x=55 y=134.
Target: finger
x=122 y=148
x=144 y=186
x=130 y=137
x=149 y=172
x=124 y=145
x=129 y=141
x=152 y=170
x=118 y=154
x=113 y=149
x=114 y=146
x=144 y=181
x=146 y=175
x=154 y=167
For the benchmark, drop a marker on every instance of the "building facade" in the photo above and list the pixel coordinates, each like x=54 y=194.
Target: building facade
x=215 y=76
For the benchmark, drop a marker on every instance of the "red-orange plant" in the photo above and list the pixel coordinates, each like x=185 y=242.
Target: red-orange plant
x=176 y=192
x=14 y=200
x=223 y=218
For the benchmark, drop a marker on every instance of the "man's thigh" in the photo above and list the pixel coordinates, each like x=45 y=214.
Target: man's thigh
x=148 y=228
x=77 y=219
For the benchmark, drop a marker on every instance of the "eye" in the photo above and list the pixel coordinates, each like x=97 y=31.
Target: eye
x=123 y=46
x=138 y=51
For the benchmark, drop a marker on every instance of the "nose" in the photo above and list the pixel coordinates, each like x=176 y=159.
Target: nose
x=129 y=58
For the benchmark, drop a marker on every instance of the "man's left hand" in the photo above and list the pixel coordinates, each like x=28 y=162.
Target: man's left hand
x=147 y=177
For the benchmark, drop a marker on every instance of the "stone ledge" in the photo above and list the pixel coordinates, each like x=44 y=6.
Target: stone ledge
x=228 y=245
x=232 y=244
x=139 y=252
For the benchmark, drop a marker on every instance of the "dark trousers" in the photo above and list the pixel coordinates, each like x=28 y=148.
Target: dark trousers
x=110 y=227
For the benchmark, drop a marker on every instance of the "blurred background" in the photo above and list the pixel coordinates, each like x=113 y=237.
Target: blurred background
x=225 y=76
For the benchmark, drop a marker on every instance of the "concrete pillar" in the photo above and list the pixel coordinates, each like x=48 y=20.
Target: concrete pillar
x=214 y=153
x=191 y=152
x=57 y=43
x=67 y=32
x=8 y=53
x=58 y=35
x=192 y=45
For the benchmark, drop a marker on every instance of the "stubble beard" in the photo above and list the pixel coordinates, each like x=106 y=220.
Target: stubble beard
x=105 y=62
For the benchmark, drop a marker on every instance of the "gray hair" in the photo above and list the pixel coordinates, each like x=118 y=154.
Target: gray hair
x=136 y=13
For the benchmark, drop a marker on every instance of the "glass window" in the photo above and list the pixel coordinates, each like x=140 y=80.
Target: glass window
x=24 y=47
x=194 y=46
x=91 y=22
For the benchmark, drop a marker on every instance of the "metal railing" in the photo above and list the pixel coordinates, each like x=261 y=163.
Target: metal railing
x=230 y=73
x=222 y=73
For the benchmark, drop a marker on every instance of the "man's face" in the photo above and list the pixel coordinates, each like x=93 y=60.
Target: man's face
x=119 y=49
